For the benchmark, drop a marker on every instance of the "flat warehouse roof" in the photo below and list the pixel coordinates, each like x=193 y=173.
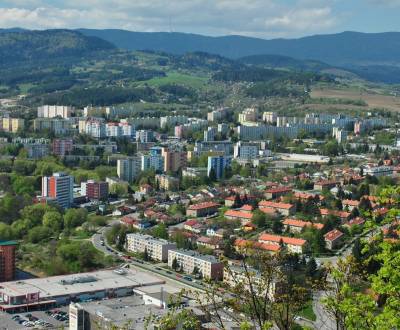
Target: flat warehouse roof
x=79 y=283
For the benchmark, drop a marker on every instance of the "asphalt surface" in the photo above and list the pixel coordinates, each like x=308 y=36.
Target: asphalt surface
x=7 y=323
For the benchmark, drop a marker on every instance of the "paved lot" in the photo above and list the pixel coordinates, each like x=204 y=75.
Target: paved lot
x=7 y=323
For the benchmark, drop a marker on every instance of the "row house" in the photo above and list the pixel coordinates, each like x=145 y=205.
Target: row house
x=294 y=245
x=157 y=249
x=274 y=193
x=325 y=184
x=285 y=209
x=243 y=244
x=342 y=215
x=190 y=262
x=296 y=226
x=243 y=216
x=202 y=209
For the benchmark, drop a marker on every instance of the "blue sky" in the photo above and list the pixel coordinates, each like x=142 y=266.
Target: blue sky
x=258 y=18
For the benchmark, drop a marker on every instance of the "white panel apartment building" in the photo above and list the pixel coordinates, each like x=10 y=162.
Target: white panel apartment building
x=52 y=111
x=157 y=249
x=246 y=150
x=190 y=260
x=173 y=120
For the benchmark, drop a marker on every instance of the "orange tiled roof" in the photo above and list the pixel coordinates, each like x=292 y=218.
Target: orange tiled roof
x=204 y=205
x=301 y=224
x=238 y=214
x=286 y=240
x=350 y=202
x=333 y=235
x=276 y=205
x=242 y=243
x=278 y=190
x=340 y=214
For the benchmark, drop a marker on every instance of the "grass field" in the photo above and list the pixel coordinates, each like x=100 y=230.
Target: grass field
x=307 y=312
x=373 y=100
x=179 y=78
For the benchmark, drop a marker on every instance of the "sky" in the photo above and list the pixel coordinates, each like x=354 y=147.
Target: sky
x=258 y=18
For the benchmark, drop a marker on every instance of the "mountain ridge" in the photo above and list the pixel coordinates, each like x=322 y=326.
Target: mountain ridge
x=345 y=48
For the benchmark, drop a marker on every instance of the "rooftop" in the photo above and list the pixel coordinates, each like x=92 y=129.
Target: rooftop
x=7 y=243
x=333 y=235
x=55 y=286
x=275 y=205
x=203 y=205
x=286 y=240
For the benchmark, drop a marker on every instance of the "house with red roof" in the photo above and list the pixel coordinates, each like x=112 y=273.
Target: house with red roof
x=202 y=209
x=350 y=204
x=213 y=243
x=285 y=209
x=243 y=216
x=333 y=239
x=277 y=192
x=243 y=244
x=354 y=222
x=305 y=196
x=296 y=226
x=194 y=226
x=343 y=215
x=294 y=245
x=325 y=184
x=230 y=200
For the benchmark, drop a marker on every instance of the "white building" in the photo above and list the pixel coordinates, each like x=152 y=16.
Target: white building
x=218 y=114
x=94 y=127
x=144 y=136
x=173 y=121
x=190 y=262
x=246 y=150
x=269 y=117
x=52 y=111
x=339 y=134
x=156 y=249
x=122 y=129
x=378 y=170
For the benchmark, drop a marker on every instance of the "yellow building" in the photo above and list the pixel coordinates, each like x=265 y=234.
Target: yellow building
x=13 y=124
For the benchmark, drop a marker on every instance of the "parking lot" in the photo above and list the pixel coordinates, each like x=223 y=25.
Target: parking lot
x=52 y=319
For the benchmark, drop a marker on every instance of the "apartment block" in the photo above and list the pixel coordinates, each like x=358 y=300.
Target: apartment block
x=62 y=147
x=95 y=190
x=218 y=164
x=129 y=168
x=58 y=187
x=13 y=125
x=157 y=249
x=191 y=262
x=246 y=150
x=167 y=182
x=52 y=111
x=57 y=126
x=174 y=160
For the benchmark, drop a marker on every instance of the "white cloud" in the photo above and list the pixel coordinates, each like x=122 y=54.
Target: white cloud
x=263 y=18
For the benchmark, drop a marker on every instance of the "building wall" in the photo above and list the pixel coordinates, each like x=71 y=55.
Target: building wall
x=7 y=262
